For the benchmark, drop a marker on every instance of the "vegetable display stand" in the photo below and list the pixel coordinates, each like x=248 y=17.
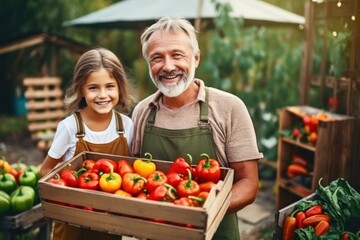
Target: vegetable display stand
x=334 y=154
x=11 y=227
x=129 y=216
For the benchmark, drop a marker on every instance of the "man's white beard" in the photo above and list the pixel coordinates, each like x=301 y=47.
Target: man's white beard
x=179 y=88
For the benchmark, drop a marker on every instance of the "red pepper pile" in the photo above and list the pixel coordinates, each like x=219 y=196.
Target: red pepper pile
x=183 y=184
x=313 y=217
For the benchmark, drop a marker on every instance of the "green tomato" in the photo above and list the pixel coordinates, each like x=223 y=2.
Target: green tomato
x=7 y=183
x=22 y=199
x=4 y=203
x=28 y=178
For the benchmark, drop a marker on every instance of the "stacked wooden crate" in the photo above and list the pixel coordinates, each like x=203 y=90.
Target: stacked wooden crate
x=45 y=108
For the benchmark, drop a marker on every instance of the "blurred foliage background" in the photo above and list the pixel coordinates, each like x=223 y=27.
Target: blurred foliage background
x=261 y=65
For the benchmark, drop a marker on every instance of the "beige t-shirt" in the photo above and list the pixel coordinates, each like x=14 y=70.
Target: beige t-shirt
x=233 y=130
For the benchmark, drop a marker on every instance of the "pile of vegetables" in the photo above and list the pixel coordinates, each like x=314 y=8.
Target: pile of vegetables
x=306 y=130
x=334 y=213
x=18 y=187
x=183 y=184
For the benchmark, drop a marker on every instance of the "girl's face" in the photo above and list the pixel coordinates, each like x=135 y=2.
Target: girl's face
x=101 y=92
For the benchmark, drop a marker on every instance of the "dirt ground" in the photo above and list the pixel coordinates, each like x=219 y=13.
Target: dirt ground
x=20 y=147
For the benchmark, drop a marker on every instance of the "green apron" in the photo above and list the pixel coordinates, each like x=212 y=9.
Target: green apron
x=169 y=144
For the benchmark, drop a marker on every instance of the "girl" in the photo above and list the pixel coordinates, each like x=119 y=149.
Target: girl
x=99 y=85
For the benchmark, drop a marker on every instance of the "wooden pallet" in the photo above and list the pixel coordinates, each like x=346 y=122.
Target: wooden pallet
x=45 y=108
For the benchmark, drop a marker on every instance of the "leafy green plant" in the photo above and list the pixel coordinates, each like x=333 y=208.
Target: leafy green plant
x=260 y=65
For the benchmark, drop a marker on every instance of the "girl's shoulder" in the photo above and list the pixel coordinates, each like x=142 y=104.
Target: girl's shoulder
x=69 y=123
x=126 y=119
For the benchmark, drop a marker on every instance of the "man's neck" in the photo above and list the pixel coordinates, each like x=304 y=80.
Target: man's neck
x=189 y=95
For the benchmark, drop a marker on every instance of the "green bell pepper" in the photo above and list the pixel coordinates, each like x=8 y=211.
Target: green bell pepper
x=22 y=199
x=7 y=183
x=4 y=203
x=28 y=178
x=34 y=169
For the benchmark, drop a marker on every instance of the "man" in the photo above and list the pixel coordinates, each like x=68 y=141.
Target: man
x=184 y=116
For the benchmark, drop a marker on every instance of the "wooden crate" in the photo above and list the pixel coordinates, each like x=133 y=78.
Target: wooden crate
x=283 y=213
x=45 y=108
x=22 y=220
x=336 y=153
x=132 y=216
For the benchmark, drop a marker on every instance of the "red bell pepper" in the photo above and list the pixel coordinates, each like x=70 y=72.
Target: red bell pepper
x=88 y=164
x=321 y=228
x=300 y=216
x=174 y=178
x=155 y=179
x=188 y=187
x=17 y=169
x=104 y=165
x=57 y=180
x=206 y=186
x=71 y=177
x=164 y=192
x=184 y=201
x=180 y=165
x=133 y=183
x=142 y=195
x=89 y=180
x=315 y=219
x=314 y=210
x=208 y=169
x=124 y=167
x=201 y=197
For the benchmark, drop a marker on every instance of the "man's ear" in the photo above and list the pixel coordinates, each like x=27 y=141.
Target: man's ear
x=197 y=59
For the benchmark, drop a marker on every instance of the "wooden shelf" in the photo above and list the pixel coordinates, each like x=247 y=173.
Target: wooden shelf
x=295 y=188
x=306 y=146
x=335 y=154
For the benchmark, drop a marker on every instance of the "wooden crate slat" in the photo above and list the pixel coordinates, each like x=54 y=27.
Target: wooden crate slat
x=44 y=81
x=46 y=93
x=37 y=105
x=39 y=126
x=47 y=115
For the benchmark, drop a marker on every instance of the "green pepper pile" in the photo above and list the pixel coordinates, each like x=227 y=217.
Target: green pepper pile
x=334 y=213
x=18 y=187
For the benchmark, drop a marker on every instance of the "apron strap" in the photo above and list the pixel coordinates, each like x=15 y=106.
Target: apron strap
x=80 y=127
x=79 y=124
x=119 y=124
x=204 y=119
x=204 y=106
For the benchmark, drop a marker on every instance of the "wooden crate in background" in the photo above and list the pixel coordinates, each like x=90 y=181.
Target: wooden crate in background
x=336 y=154
x=45 y=108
